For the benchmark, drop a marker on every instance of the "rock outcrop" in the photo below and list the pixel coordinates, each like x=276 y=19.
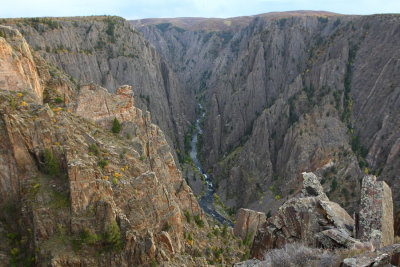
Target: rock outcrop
x=375 y=219
x=248 y=222
x=108 y=51
x=310 y=219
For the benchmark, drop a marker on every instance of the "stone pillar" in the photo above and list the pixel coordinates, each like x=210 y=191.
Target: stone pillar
x=375 y=220
x=248 y=221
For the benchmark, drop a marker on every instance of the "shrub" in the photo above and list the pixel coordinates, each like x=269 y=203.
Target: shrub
x=225 y=230
x=248 y=239
x=58 y=100
x=103 y=163
x=198 y=221
x=269 y=214
x=216 y=232
x=94 y=149
x=187 y=215
x=51 y=164
x=116 y=126
x=167 y=226
x=292 y=255
x=112 y=237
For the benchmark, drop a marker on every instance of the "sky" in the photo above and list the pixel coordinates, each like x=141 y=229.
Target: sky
x=137 y=9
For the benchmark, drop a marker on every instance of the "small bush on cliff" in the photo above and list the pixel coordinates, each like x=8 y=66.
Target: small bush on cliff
x=103 y=163
x=198 y=221
x=112 y=237
x=50 y=162
x=94 y=149
x=116 y=126
x=188 y=217
x=166 y=227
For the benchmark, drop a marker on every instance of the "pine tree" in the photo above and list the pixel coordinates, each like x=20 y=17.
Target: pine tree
x=116 y=126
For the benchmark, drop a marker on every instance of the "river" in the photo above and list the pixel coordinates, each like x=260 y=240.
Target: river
x=207 y=200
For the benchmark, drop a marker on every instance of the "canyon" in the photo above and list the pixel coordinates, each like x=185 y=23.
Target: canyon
x=123 y=141
x=287 y=93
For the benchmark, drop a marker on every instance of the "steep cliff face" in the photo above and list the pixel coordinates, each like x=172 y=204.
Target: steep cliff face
x=77 y=188
x=109 y=51
x=18 y=70
x=290 y=93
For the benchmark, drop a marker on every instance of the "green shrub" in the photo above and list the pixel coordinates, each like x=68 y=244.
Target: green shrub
x=248 y=239
x=58 y=100
x=94 y=149
x=198 y=221
x=167 y=226
x=51 y=164
x=216 y=232
x=116 y=126
x=112 y=237
x=225 y=230
x=187 y=215
x=269 y=214
x=103 y=163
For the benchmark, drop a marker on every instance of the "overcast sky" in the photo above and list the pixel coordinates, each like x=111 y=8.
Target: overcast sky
x=135 y=9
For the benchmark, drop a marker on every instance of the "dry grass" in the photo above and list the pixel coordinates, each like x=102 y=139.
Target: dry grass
x=300 y=255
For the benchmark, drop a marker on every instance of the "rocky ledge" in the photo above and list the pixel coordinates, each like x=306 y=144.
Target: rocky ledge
x=313 y=220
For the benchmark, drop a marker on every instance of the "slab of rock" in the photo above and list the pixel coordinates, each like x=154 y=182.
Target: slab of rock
x=339 y=238
x=248 y=221
x=338 y=215
x=375 y=219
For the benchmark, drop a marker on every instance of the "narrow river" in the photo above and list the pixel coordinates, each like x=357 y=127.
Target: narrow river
x=207 y=200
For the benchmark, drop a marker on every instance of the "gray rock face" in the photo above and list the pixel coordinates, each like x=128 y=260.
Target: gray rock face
x=285 y=94
x=375 y=219
x=110 y=52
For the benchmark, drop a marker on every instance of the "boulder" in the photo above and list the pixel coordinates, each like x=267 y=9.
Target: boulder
x=375 y=219
x=312 y=187
x=337 y=215
x=248 y=221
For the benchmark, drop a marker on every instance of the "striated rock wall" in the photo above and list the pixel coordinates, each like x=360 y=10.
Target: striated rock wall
x=108 y=51
x=287 y=93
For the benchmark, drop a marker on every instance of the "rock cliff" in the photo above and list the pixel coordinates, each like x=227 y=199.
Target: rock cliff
x=86 y=179
x=108 y=51
x=287 y=93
